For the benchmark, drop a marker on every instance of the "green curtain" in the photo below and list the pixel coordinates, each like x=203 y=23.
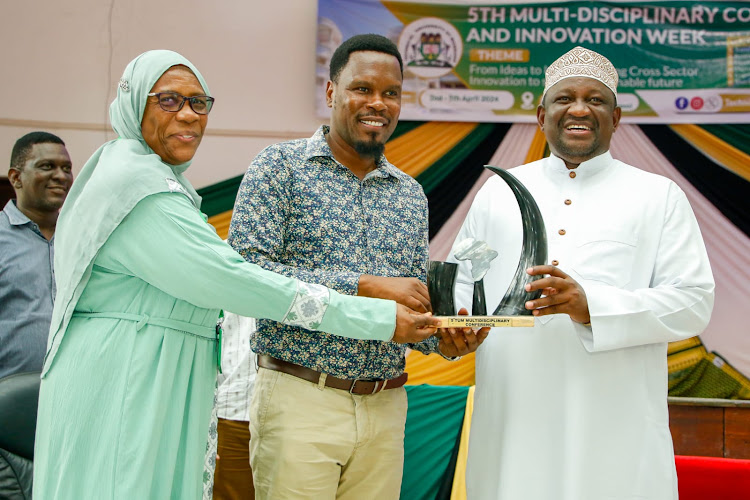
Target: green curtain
x=451 y=161
x=219 y=197
x=737 y=135
x=433 y=428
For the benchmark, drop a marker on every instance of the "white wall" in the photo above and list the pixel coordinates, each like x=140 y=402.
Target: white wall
x=61 y=61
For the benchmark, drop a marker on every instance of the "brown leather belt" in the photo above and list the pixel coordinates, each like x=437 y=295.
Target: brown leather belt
x=355 y=386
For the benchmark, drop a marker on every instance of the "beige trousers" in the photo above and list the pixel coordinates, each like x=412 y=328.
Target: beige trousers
x=313 y=442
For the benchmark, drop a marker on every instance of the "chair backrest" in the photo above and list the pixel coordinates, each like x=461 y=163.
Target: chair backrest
x=19 y=398
x=699 y=478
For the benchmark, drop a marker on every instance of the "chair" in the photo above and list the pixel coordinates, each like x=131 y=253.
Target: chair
x=700 y=478
x=19 y=395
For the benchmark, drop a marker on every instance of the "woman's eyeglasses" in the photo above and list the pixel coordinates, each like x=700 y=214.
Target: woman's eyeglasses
x=173 y=102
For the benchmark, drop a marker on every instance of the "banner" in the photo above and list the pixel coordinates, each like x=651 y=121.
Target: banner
x=678 y=61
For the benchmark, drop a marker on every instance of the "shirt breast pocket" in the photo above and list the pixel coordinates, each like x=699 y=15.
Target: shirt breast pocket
x=606 y=255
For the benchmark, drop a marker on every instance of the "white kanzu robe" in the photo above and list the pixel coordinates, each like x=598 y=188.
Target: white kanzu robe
x=568 y=412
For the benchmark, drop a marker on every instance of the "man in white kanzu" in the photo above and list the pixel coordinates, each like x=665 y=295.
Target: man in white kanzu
x=575 y=408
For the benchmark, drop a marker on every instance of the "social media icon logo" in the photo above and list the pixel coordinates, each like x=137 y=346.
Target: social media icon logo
x=681 y=102
x=696 y=103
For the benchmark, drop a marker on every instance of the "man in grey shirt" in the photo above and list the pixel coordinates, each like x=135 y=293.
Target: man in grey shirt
x=40 y=173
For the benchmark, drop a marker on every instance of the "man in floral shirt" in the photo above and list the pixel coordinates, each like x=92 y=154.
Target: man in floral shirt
x=328 y=413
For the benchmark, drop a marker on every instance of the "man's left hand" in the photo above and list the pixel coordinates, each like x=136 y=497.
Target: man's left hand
x=562 y=295
x=460 y=341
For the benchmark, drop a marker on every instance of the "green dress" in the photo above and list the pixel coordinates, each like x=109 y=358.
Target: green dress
x=125 y=408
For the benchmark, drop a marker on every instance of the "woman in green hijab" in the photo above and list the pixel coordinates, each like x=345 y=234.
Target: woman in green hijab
x=128 y=379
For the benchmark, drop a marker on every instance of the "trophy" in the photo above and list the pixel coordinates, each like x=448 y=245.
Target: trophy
x=441 y=276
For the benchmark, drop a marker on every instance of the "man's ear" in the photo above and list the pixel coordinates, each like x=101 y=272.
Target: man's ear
x=540 y=112
x=329 y=93
x=14 y=176
x=616 y=113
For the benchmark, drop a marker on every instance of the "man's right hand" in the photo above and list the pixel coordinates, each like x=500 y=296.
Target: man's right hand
x=412 y=327
x=406 y=291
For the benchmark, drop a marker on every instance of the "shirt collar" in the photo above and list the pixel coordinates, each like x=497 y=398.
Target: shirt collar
x=15 y=216
x=317 y=146
x=585 y=170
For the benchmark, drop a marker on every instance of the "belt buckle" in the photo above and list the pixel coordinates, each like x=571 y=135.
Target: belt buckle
x=354 y=382
x=375 y=389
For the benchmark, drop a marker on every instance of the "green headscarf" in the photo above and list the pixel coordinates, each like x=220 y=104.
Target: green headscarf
x=119 y=175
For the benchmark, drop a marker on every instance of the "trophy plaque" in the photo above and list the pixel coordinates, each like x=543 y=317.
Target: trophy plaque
x=441 y=276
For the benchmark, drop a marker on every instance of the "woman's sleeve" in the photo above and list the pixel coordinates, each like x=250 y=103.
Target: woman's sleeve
x=165 y=242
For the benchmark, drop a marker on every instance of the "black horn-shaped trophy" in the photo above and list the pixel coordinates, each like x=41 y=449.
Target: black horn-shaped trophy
x=441 y=276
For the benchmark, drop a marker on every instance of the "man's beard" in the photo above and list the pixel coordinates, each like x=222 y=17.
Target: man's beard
x=369 y=149
x=578 y=150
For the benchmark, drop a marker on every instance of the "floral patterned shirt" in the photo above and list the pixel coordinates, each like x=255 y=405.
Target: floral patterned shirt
x=301 y=213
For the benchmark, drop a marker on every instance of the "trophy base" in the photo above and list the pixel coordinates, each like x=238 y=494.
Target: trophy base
x=484 y=321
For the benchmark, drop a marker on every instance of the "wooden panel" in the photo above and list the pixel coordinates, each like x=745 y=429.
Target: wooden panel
x=697 y=430
x=6 y=191
x=221 y=223
x=737 y=433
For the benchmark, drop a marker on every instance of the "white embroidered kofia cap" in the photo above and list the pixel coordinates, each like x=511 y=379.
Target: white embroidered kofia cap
x=581 y=62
